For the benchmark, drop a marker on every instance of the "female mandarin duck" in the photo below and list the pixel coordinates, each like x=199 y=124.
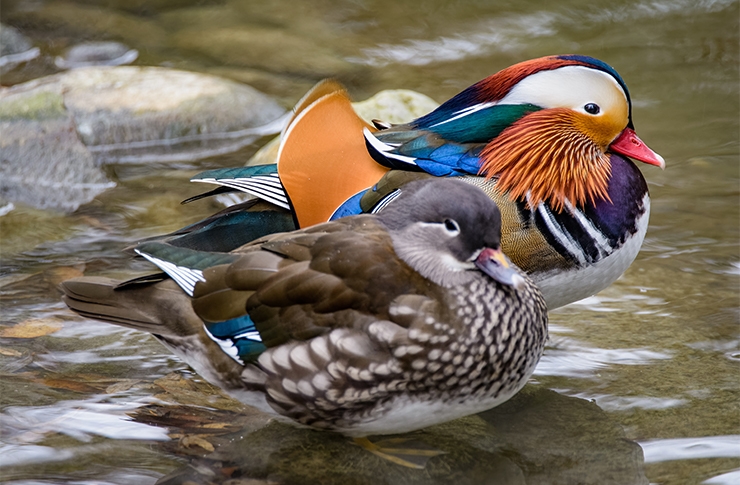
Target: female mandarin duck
x=365 y=325
x=547 y=139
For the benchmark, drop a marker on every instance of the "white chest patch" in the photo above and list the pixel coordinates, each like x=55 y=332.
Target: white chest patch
x=560 y=288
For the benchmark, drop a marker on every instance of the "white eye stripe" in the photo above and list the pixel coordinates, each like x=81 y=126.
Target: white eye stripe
x=450 y=226
x=567 y=87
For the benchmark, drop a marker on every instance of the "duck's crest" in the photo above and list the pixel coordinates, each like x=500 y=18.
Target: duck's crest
x=497 y=86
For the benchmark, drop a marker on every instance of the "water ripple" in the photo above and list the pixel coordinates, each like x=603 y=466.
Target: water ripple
x=505 y=34
x=513 y=32
x=691 y=448
x=731 y=478
x=571 y=359
x=77 y=419
x=623 y=403
x=17 y=455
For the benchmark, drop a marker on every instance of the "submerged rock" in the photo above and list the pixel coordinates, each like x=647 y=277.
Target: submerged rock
x=43 y=163
x=58 y=130
x=14 y=49
x=142 y=114
x=395 y=106
x=90 y=54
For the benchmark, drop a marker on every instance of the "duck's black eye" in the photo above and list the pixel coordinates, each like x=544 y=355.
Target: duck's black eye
x=592 y=108
x=452 y=226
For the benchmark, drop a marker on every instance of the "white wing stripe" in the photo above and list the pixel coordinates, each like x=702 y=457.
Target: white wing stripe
x=386 y=200
x=385 y=148
x=273 y=183
x=271 y=180
x=269 y=189
x=185 y=277
x=251 y=335
x=227 y=346
x=245 y=186
x=278 y=191
x=465 y=112
x=273 y=199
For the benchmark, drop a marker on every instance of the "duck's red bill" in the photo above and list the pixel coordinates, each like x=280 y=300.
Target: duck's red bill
x=628 y=143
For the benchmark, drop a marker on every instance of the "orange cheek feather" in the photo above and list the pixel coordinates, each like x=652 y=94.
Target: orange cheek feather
x=548 y=154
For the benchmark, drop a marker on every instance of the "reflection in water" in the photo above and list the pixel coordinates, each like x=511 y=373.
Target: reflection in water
x=20 y=455
x=537 y=437
x=77 y=419
x=732 y=478
x=624 y=403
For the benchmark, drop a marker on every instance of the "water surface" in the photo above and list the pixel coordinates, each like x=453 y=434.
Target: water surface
x=653 y=359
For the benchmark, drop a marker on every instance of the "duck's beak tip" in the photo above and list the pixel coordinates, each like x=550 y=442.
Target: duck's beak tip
x=661 y=160
x=629 y=144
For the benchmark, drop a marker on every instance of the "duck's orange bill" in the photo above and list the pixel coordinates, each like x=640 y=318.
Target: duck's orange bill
x=628 y=143
x=323 y=160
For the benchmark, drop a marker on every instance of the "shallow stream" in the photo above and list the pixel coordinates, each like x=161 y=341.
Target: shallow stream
x=651 y=361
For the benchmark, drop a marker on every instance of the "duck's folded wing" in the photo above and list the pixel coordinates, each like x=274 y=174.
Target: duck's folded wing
x=230 y=228
x=328 y=280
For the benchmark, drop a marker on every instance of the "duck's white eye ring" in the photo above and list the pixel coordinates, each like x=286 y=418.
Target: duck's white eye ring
x=452 y=227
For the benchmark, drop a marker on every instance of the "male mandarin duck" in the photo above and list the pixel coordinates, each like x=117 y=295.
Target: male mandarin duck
x=547 y=139
x=367 y=325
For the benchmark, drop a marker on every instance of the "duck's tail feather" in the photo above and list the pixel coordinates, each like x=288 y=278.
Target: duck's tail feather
x=162 y=309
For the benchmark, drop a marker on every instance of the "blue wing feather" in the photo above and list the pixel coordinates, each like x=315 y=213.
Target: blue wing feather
x=241 y=333
x=349 y=207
